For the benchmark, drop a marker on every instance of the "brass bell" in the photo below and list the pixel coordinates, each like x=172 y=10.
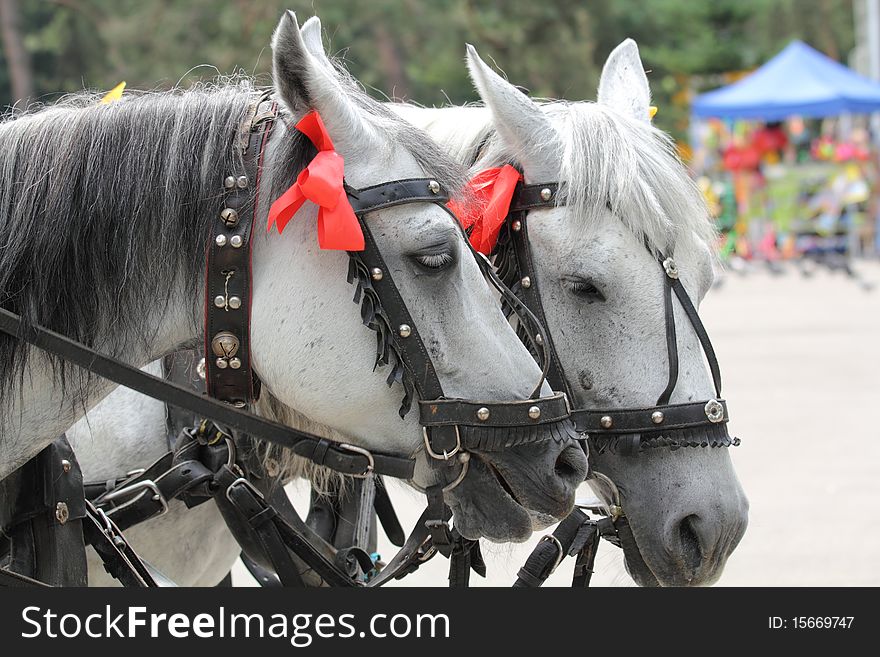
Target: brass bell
x=225 y=345
x=229 y=217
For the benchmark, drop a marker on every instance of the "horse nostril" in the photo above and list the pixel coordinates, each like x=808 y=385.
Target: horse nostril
x=691 y=550
x=571 y=465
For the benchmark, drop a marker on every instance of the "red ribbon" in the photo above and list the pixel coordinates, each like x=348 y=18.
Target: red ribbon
x=491 y=191
x=321 y=183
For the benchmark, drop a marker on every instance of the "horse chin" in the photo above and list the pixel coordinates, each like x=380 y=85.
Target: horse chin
x=482 y=507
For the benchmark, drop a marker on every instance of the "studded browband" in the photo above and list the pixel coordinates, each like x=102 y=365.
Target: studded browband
x=663 y=417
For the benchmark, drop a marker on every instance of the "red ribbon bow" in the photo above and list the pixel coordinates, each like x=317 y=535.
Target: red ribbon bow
x=492 y=191
x=321 y=182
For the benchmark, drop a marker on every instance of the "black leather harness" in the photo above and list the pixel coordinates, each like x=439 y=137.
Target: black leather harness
x=196 y=470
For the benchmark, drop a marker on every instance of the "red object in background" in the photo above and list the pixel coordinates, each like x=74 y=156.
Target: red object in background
x=770 y=139
x=741 y=158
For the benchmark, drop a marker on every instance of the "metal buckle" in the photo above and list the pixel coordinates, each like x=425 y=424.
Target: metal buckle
x=561 y=551
x=147 y=484
x=445 y=456
x=371 y=463
x=241 y=481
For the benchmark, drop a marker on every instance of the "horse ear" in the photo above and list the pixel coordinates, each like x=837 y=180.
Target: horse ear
x=304 y=83
x=519 y=120
x=623 y=84
x=311 y=34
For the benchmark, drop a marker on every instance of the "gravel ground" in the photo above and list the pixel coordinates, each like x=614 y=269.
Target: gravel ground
x=801 y=364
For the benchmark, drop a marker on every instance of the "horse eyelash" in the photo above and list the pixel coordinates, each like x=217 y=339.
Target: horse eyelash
x=585 y=288
x=435 y=260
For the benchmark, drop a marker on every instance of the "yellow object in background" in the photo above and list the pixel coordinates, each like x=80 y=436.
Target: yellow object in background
x=652 y=111
x=114 y=94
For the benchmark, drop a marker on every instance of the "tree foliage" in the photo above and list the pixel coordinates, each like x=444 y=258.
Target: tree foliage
x=414 y=49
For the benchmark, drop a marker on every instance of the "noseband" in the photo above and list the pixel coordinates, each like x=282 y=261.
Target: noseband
x=627 y=430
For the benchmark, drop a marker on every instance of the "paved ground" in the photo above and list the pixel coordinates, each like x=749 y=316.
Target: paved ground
x=801 y=365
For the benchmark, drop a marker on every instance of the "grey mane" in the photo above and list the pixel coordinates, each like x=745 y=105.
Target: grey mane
x=106 y=207
x=609 y=160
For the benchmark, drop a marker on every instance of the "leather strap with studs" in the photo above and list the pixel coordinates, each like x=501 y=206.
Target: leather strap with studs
x=229 y=376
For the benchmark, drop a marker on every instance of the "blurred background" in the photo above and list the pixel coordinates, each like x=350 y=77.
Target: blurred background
x=791 y=183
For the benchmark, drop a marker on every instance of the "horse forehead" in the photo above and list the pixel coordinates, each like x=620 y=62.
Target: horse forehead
x=384 y=161
x=413 y=224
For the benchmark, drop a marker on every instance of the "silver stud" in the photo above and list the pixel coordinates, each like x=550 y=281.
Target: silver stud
x=220 y=240
x=434 y=186
x=670 y=268
x=225 y=344
x=526 y=282
x=538 y=339
x=62 y=513
x=517 y=226
x=229 y=183
x=534 y=412
x=546 y=193
x=606 y=422
x=201 y=370
x=482 y=414
x=376 y=274
x=657 y=417
x=221 y=363
x=273 y=468
x=714 y=410
x=236 y=241
x=66 y=465
x=241 y=182
x=220 y=301
x=235 y=303
x=229 y=217
x=235 y=363
x=404 y=330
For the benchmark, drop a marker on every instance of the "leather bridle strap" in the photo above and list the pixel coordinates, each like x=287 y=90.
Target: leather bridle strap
x=671 y=343
x=319 y=450
x=572 y=535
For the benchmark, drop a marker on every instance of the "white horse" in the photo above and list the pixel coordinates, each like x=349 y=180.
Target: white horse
x=601 y=293
x=602 y=289
x=115 y=200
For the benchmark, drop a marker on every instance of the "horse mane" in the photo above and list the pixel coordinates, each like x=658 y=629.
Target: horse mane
x=106 y=208
x=609 y=160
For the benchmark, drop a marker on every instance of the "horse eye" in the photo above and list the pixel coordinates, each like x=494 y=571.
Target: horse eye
x=585 y=290
x=434 y=261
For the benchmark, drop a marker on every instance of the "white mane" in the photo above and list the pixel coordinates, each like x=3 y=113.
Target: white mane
x=609 y=160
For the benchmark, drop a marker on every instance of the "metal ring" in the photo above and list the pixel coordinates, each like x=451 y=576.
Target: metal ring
x=371 y=463
x=445 y=456
x=465 y=464
x=561 y=551
x=145 y=485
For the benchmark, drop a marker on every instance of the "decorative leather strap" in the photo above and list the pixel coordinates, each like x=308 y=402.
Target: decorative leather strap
x=530 y=197
x=228 y=272
x=399 y=192
x=528 y=286
x=647 y=420
x=464 y=412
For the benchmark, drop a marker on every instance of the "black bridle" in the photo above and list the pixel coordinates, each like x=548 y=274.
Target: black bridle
x=629 y=430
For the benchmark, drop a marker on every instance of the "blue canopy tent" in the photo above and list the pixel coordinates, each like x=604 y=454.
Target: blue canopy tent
x=798 y=81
